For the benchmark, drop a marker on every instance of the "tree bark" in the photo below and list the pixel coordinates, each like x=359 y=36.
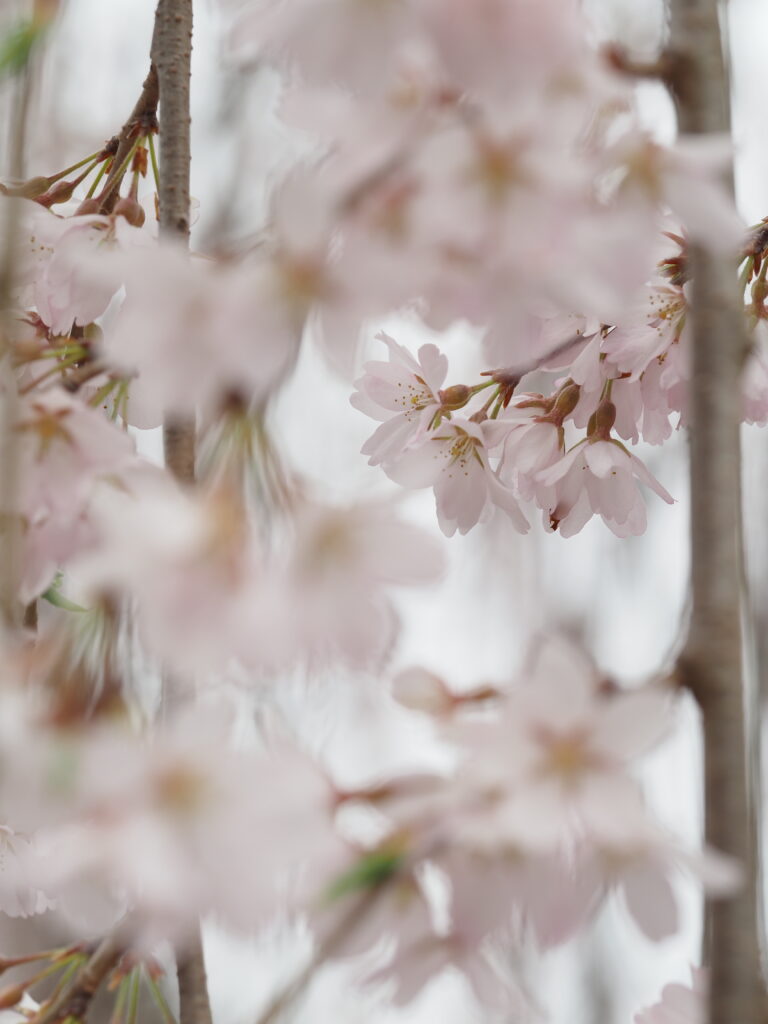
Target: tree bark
x=171 y=56
x=194 y=1004
x=711 y=662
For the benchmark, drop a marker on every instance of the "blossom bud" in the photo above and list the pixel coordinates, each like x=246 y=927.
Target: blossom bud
x=30 y=189
x=566 y=402
x=759 y=291
x=88 y=206
x=61 y=192
x=601 y=421
x=12 y=995
x=420 y=690
x=455 y=397
x=131 y=210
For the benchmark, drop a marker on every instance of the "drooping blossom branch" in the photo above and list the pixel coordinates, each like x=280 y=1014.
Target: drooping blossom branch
x=143 y=119
x=711 y=663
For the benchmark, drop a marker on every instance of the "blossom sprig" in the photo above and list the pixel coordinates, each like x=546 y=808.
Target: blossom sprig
x=512 y=448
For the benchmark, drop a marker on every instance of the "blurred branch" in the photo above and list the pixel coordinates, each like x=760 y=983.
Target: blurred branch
x=75 y=999
x=10 y=470
x=194 y=1004
x=711 y=661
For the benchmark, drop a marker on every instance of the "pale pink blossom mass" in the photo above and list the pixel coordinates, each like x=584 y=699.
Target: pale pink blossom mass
x=195 y=642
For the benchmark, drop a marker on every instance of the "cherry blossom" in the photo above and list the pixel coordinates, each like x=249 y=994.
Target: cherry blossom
x=172 y=823
x=454 y=460
x=405 y=393
x=680 y=1004
x=66 y=448
x=201 y=339
x=60 y=251
x=598 y=477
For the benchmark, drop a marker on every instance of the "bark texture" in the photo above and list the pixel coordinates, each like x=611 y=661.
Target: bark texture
x=711 y=663
x=171 y=57
x=194 y=1004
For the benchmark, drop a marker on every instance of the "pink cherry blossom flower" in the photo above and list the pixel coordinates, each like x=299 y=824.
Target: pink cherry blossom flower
x=173 y=823
x=60 y=250
x=652 y=324
x=598 y=477
x=194 y=331
x=326 y=597
x=488 y=46
x=16 y=898
x=347 y=41
x=680 y=1004
x=404 y=393
x=557 y=756
x=643 y=868
x=65 y=446
x=688 y=178
x=755 y=380
x=454 y=460
x=532 y=438
x=189 y=562
x=66 y=449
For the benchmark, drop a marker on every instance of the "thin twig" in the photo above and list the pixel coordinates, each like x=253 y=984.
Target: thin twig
x=345 y=927
x=75 y=999
x=194 y=1004
x=143 y=118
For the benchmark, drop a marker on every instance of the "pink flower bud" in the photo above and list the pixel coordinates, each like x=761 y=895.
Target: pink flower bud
x=88 y=206
x=30 y=189
x=455 y=397
x=131 y=210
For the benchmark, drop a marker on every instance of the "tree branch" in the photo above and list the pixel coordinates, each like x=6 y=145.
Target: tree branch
x=143 y=118
x=171 y=55
x=75 y=999
x=194 y=1004
x=711 y=662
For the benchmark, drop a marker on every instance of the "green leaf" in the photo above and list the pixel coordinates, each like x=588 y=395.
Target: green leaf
x=54 y=596
x=370 y=871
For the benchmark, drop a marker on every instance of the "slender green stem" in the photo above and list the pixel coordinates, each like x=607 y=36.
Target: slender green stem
x=103 y=393
x=162 y=1002
x=118 y=177
x=96 y=181
x=133 y=997
x=153 y=158
x=63 y=365
x=120 y=1000
x=76 y=167
x=746 y=273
